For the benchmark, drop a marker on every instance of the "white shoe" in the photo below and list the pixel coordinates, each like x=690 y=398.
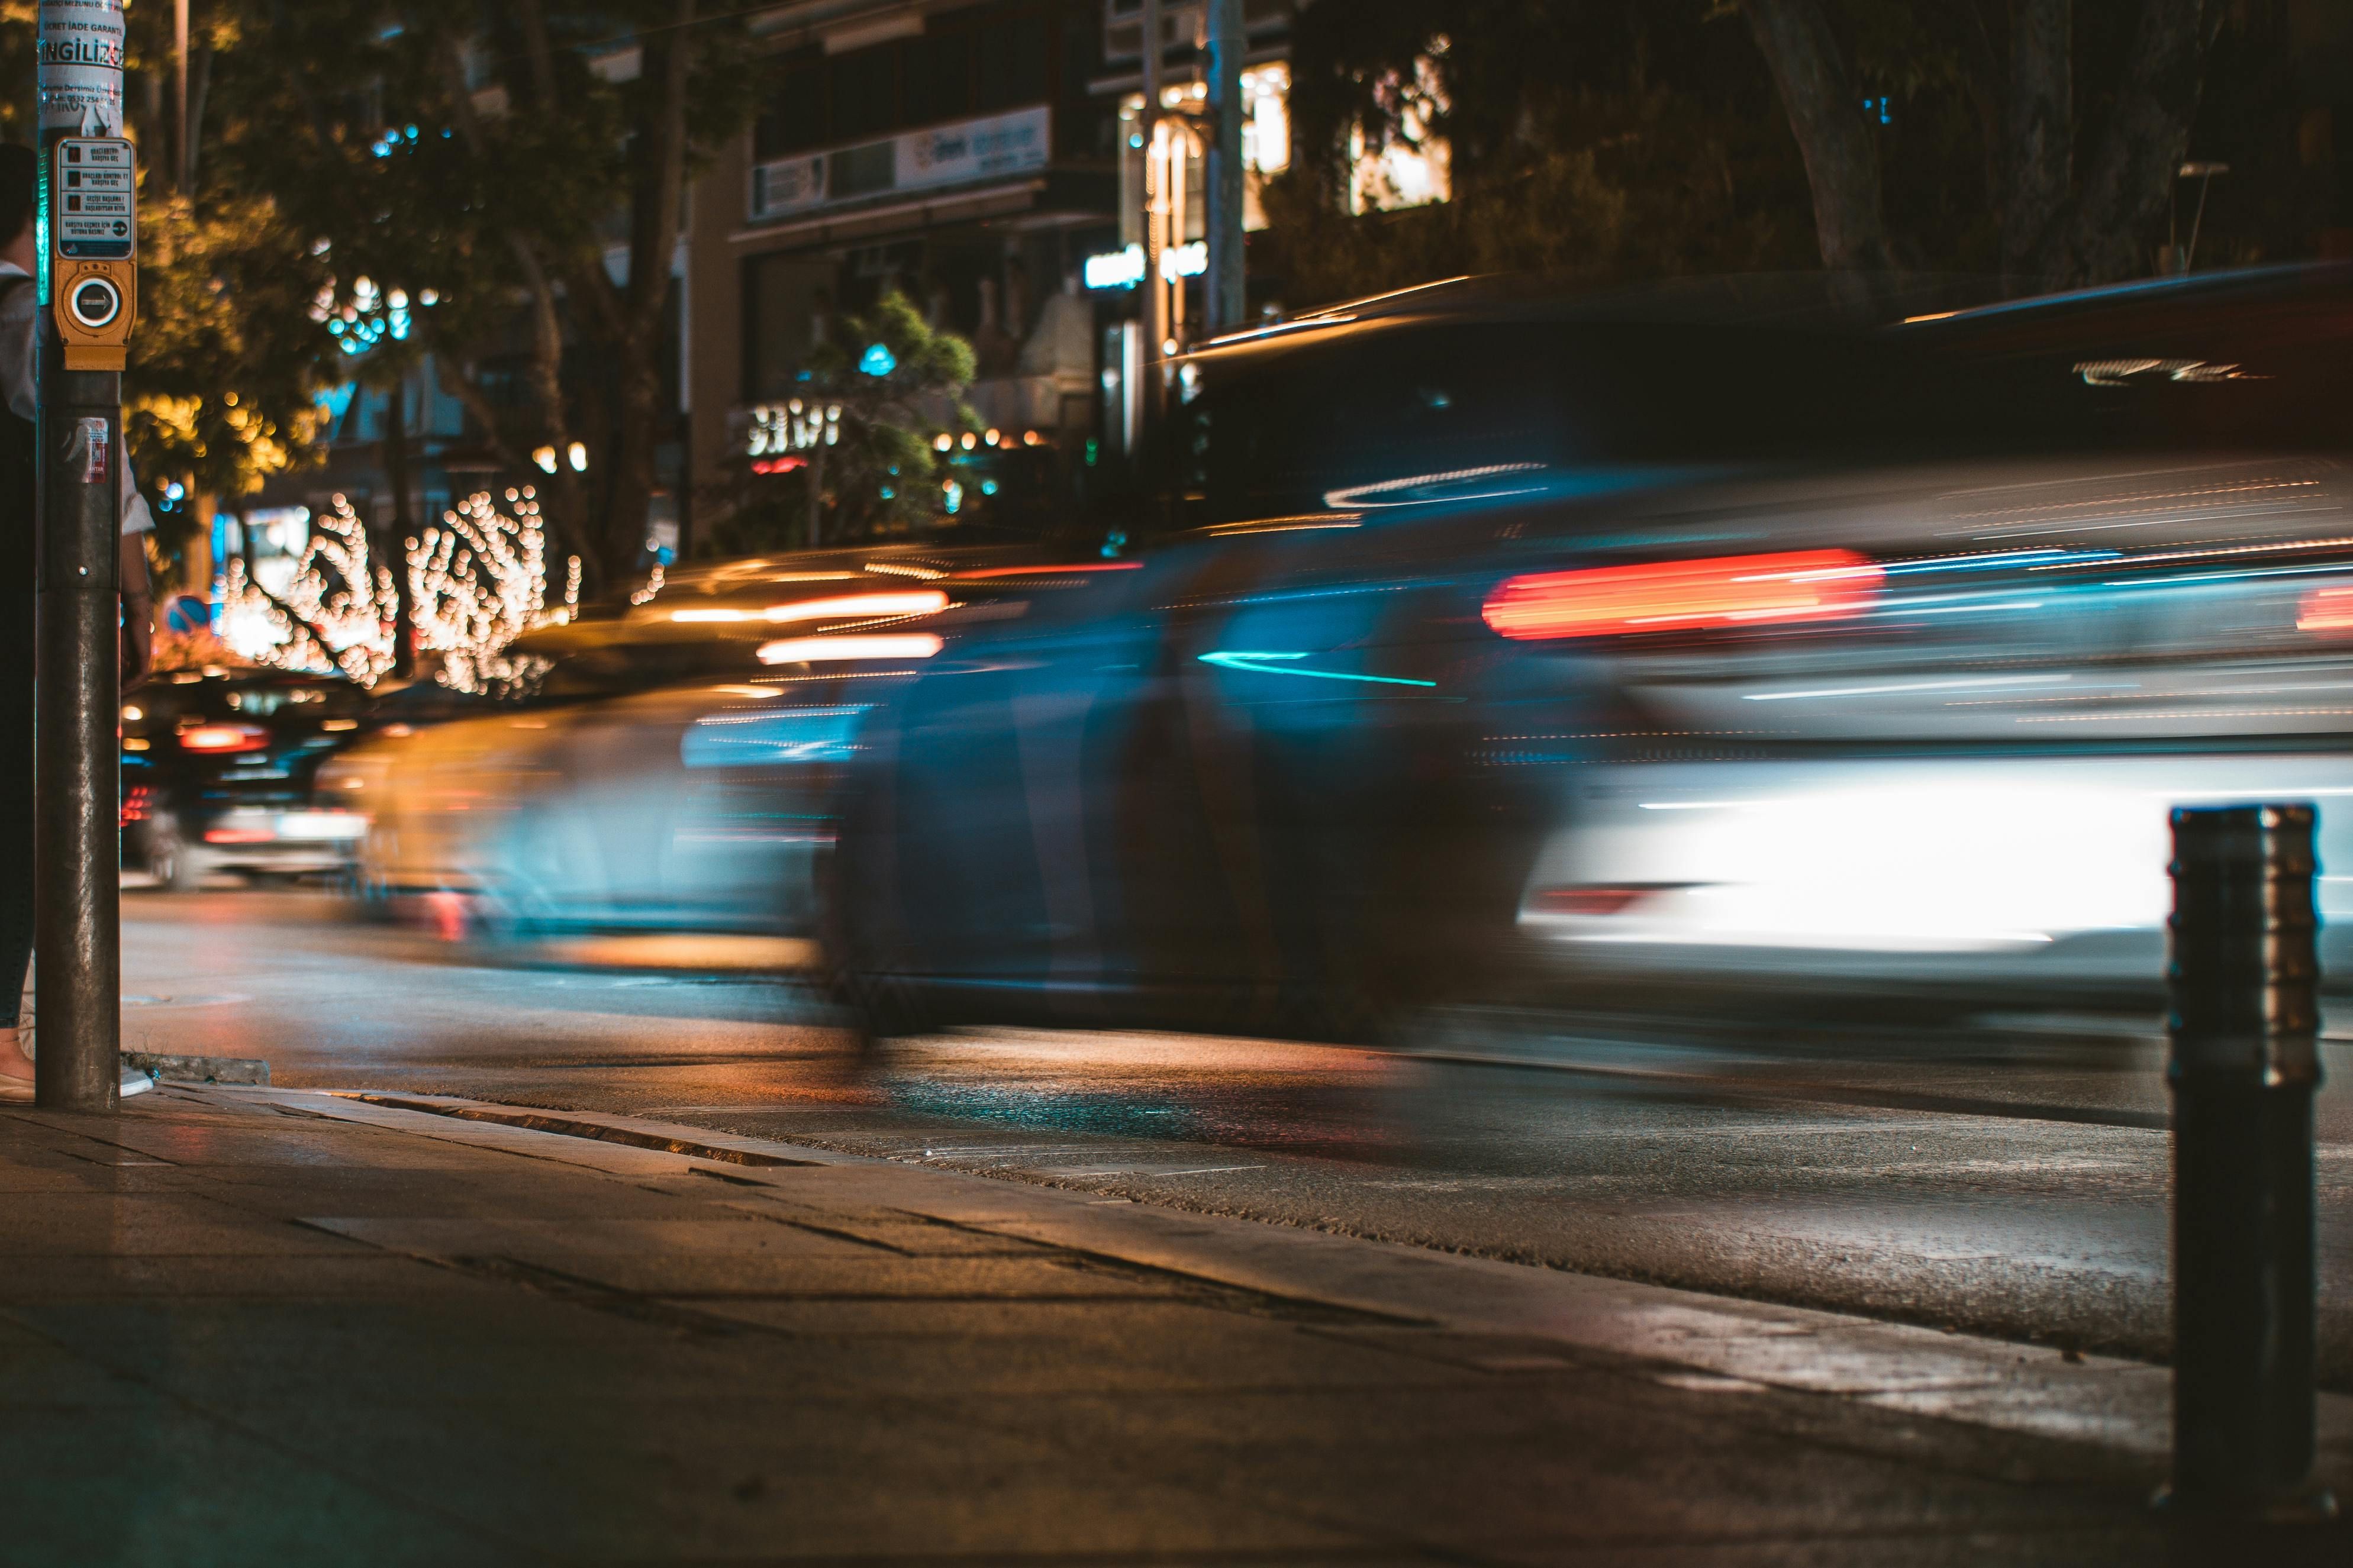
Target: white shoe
x=134 y=1082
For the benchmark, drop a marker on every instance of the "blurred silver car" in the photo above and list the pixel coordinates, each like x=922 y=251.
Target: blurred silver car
x=661 y=767
x=1514 y=644
x=668 y=766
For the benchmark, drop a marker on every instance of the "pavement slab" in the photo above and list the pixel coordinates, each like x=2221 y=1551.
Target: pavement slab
x=247 y=1325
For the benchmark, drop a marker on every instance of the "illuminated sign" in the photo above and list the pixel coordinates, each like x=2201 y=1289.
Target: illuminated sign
x=1124 y=268
x=778 y=428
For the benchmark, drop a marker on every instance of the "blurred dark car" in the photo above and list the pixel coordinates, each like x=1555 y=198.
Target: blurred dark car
x=218 y=769
x=1518 y=642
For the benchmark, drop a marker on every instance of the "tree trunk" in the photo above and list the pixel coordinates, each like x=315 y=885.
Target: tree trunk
x=197 y=562
x=561 y=502
x=2038 y=128
x=2110 y=231
x=200 y=88
x=817 y=495
x=636 y=321
x=1826 y=117
x=562 y=488
x=629 y=476
x=404 y=527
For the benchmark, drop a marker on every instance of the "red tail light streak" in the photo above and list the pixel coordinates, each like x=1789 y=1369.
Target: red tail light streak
x=1684 y=595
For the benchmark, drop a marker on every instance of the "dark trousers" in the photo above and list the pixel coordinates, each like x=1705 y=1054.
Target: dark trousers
x=15 y=800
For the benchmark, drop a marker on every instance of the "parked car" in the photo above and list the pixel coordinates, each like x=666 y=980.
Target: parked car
x=1518 y=647
x=218 y=768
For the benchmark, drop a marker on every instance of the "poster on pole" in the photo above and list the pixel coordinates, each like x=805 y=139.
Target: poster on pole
x=93 y=199
x=80 y=68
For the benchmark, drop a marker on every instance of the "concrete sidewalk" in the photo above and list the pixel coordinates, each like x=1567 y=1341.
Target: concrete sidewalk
x=256 y=1326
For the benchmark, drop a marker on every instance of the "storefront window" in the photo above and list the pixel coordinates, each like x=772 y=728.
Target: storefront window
x=1266 y=135
x=1408 y=166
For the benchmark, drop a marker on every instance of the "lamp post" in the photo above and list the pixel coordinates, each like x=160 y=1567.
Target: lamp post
x=1226 y=304
x=1155 y=210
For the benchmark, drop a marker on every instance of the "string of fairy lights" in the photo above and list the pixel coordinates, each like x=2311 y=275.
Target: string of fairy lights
x=476 y=581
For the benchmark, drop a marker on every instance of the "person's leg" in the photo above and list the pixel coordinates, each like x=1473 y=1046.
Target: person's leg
x=16 y=848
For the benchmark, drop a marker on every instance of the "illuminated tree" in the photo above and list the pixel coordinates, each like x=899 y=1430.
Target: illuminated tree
x=476 y=581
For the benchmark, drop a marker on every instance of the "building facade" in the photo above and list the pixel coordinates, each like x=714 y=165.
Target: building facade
x=983 y=158
x=954 y=152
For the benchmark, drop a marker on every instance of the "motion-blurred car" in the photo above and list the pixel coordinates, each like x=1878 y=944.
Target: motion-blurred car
x=670 y=766
x=218 y=766
x=1518 y=644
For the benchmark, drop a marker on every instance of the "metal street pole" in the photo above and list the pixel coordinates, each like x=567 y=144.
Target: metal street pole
x=1225 y=281
x=2203 y=173
x=87 y=245
x=1155 y=205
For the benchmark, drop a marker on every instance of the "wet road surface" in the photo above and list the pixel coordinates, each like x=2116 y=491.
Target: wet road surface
x=2002 y=1173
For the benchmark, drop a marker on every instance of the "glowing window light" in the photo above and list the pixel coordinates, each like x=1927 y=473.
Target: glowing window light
x=577 y=455
x=545 y=457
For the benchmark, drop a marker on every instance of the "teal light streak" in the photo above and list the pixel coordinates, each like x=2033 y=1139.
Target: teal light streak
x=1275 y=664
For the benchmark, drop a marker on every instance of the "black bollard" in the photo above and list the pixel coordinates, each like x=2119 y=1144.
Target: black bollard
x=2244 y=976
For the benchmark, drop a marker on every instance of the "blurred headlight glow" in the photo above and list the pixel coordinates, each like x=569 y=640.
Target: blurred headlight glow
x=830 y=651
x=907 y=602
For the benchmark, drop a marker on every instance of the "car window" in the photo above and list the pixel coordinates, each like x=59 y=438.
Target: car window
x=618 y=670
x=1447 y=410
x=265 y=699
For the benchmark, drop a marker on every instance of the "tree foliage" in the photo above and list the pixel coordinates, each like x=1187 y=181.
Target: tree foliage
x=1596 y=139
x=1610 y=139
x=526 y=163
x=220 y=393
x=221 y=388
x=883 y=474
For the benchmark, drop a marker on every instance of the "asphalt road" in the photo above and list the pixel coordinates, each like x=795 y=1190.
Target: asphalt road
x=1996 y=1173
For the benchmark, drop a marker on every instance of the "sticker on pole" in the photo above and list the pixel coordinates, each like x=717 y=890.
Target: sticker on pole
x=94 y=200
x=90 y=449
x=80 y=67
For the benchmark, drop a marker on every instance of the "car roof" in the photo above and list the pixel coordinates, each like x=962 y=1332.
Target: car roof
x=1929 y=306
